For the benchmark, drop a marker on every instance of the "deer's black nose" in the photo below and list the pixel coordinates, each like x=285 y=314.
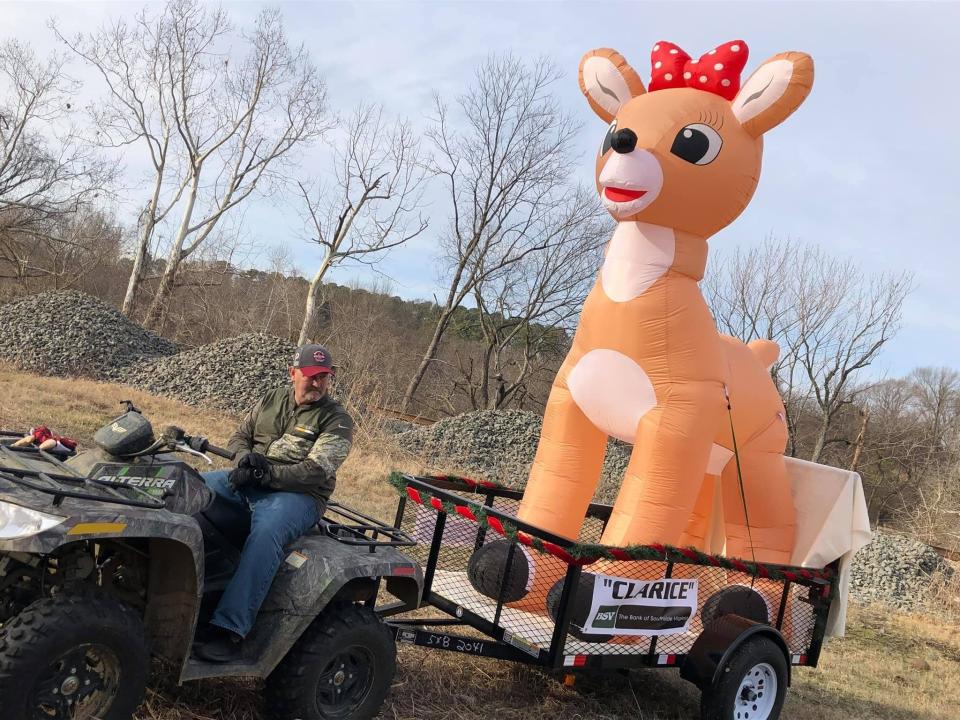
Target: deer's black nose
x=623 y=141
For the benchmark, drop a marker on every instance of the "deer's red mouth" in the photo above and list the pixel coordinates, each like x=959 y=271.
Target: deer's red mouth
x=622 y=194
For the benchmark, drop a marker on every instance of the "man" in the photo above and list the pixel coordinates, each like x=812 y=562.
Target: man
x=288 y=449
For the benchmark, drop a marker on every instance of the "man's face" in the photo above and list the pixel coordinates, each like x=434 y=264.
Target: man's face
x=308 y=389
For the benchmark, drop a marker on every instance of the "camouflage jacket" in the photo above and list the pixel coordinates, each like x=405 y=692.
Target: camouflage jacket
x=307 y=443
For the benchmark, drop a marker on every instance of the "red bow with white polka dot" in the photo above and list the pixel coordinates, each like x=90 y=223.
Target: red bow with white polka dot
x=717 y=71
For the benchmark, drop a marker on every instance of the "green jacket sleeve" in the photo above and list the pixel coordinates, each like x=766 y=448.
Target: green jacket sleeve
x=318 y=471
x=241 y=442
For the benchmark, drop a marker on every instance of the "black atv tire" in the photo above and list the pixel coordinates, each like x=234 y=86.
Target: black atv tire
x=57 y=652
x=314 y=681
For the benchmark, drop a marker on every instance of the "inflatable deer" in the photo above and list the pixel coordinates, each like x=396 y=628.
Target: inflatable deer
x=678 y=163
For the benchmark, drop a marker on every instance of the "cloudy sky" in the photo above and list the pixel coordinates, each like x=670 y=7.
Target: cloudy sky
x=867 y=168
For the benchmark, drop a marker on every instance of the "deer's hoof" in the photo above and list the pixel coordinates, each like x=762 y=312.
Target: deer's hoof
x=488 y=571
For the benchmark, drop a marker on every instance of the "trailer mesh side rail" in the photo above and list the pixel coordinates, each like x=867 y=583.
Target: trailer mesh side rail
x=447 y=541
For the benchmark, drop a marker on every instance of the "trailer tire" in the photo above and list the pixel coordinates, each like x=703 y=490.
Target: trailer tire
x=341 y=667
x=76 y=649
x=744 y=690
x=735 y=600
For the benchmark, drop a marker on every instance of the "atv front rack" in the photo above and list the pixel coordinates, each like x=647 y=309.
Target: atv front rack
x=60 y=480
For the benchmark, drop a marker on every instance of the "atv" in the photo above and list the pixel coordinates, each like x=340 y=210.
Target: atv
x=120 y=553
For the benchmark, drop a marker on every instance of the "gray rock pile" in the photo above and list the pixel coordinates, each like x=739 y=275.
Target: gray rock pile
x=231 y=374
x=498 y=445
x=71 y=333
x=897 y=571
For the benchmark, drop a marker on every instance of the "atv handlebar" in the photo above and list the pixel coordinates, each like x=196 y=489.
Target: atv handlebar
x=198 y=444
x=214 y=450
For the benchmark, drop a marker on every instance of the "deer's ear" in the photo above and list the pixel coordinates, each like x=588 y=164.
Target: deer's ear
x=608 y=81
x=773 y=92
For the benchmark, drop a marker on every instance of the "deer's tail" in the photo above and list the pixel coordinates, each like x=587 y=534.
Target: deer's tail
x=766 y=351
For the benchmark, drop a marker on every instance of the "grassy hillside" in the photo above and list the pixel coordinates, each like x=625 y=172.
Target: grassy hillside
x=889 y=667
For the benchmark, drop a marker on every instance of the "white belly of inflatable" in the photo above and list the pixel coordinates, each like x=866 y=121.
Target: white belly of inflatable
x=613 y=392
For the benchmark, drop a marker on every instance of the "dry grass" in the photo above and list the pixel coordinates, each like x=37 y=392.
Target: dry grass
x=889 y=667
x=78 y=407
x=872 y=674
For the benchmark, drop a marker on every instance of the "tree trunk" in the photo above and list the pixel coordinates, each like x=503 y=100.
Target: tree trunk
x=158 y=306
x=821 y=439
x=149 y=223
x=858 y=445
x=136 y=274
x=310 y=310
x=428 y=357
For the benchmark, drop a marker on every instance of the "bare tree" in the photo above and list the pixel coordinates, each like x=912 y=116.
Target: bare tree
x=48 y=173
x=936 y=397
x=507 y=177
x=217 y=123
x=527 y=309
x=829 y=317
x=911 y=454
x=370 y=208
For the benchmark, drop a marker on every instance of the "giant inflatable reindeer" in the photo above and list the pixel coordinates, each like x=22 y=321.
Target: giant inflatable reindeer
x=679 y=162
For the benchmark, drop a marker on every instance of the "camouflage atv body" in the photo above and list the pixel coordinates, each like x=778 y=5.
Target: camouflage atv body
x=143 y=532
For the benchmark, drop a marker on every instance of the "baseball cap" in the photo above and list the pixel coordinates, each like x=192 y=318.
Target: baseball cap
x=313 y=360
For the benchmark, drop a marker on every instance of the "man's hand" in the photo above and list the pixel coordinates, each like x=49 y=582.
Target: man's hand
x=255 y=461
x=252 y=470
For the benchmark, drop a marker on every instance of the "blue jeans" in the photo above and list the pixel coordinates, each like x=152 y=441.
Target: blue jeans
x=276 y=519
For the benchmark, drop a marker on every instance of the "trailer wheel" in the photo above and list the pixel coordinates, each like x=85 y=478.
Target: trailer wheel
x=341 y=667
x=75 y=655
x=735 y=600
x=752 y=685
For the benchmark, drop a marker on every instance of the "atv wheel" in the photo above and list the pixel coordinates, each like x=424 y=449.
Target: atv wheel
x=341 y=667
x=18 y=589
x=73 y=657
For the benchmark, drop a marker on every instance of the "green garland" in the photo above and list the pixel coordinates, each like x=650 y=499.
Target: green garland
x=577 y=553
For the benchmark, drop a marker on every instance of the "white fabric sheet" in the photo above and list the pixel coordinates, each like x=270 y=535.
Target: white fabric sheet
x=832 y=522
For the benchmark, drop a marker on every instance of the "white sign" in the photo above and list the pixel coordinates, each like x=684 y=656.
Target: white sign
x=626 y=606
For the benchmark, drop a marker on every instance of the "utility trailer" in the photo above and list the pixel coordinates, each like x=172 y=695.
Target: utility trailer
x=734 y=628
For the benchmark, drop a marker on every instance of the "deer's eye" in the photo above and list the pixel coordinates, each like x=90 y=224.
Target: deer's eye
x=608 y=138
x=698 y=144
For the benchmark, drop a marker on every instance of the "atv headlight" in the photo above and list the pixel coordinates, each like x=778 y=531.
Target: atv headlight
x=19 y=522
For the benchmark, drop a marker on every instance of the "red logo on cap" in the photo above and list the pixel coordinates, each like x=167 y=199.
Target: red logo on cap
x=318 y=356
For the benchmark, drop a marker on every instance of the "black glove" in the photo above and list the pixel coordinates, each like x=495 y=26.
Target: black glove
x=243 y=477
x=256 y=461
x=252 y=470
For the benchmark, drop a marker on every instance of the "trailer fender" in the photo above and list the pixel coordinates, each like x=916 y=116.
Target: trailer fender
x=712 y=649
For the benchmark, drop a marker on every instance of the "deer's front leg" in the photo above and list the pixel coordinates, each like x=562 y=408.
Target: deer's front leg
x=666 y=469
x=566 y=468
x=562 y=481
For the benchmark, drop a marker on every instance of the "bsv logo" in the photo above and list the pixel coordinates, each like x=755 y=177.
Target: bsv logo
x=606 y=616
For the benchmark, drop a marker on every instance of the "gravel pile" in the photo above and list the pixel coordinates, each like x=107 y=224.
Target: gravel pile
x=70 y=333
x=896 y=571
x=498 y=445
x=231 y=374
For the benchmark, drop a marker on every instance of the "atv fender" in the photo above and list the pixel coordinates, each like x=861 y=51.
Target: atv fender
x=318 y=572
